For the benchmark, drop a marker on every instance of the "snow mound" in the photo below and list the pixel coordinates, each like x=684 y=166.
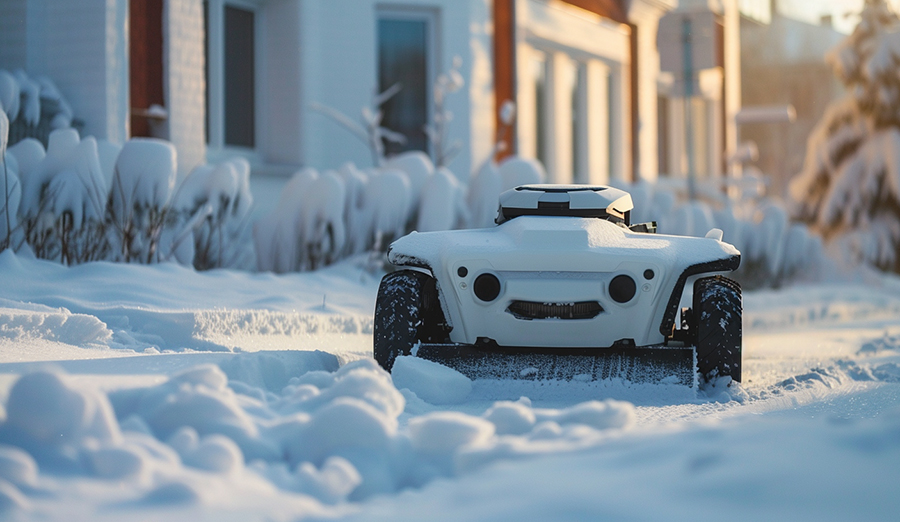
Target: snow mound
x=444 y=432
x=430 y=381
x=511 y=418
x=60 y=325
x=17 y=467
x=52 y=420
x=331 y=436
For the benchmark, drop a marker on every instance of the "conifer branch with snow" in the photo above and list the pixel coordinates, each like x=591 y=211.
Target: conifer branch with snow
x=849 y=188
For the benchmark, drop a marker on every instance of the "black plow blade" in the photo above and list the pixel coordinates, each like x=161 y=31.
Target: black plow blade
x=656 y=364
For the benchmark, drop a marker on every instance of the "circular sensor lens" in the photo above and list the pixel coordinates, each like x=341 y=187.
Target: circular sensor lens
x=622 y=288
x=487 y=287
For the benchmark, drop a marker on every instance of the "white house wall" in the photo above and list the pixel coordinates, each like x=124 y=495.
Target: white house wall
x=283 y=81
x=13 y=16
x=645 y=15
x=338 y=69
x=89 y=58
x=564 y=34
x=184 y=82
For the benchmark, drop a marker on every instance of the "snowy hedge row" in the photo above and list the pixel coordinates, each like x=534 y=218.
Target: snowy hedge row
x=774 y=250
x=322 y=217
x=89 y=200
x=21 y=97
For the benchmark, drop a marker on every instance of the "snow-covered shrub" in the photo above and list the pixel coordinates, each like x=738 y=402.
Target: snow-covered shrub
x=214 y=204
x=849 y=188
x=35 y=106
x=483 y=197
x=10 y=95
x=491 y=179
x=36 y=169
x=443 y=203
x=774 y=251
x=321 y=218
x=139 y=199
x=86 y=200
x=78 y=198
x=12 y=191
x=515 y=171
x=63 y=197
x=418 y=169
x=355 y=217
x=306 y=230
x=387 y=200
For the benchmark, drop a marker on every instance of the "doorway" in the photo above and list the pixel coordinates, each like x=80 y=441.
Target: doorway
x=145 y=47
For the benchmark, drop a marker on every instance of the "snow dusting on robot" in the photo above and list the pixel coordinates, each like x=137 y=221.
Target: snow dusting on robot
x=565 y=287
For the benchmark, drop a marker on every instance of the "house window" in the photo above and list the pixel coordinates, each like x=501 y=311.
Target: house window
x=405 y=56
x=239 y=78
x=231 y=80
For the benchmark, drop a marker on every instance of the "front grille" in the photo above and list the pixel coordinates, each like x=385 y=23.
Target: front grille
x=533 y=310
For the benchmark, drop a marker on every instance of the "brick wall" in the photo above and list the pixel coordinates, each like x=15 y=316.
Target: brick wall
x=185 y=87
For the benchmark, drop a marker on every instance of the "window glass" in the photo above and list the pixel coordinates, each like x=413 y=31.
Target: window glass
x=403 y=58
x=239 y=88
x=539 y=77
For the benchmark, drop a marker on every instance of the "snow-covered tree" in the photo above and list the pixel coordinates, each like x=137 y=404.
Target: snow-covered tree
x=849 y=188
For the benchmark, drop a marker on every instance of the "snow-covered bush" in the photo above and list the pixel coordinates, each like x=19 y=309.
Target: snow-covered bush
x=774 y=250
x=87 y=200
x=418 y=169
x=12 y=191
x=213 y=204
x=140 y=199
x=321 y=218
x=63 y=197
x=306 y=230
x=35 y=106
x=849 y=188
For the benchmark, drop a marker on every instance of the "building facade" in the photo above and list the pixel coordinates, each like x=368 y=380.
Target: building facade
x=264 y=78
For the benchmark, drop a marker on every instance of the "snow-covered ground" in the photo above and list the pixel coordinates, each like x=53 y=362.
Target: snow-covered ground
x=160 y=393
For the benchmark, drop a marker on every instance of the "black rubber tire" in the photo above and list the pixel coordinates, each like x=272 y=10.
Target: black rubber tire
x=407 y=311
x=717 y=320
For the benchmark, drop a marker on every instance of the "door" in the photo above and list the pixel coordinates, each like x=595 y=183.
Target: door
x=145 y=47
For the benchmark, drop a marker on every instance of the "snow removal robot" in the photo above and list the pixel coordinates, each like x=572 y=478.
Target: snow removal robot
x=565 y=287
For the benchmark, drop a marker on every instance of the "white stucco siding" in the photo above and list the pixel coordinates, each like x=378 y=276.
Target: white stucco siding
x=282 y=133
x=80 y=45
x=645 y=16
x=184 y=80
x=339 y=69
x=13 y=16
x=563 y=37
